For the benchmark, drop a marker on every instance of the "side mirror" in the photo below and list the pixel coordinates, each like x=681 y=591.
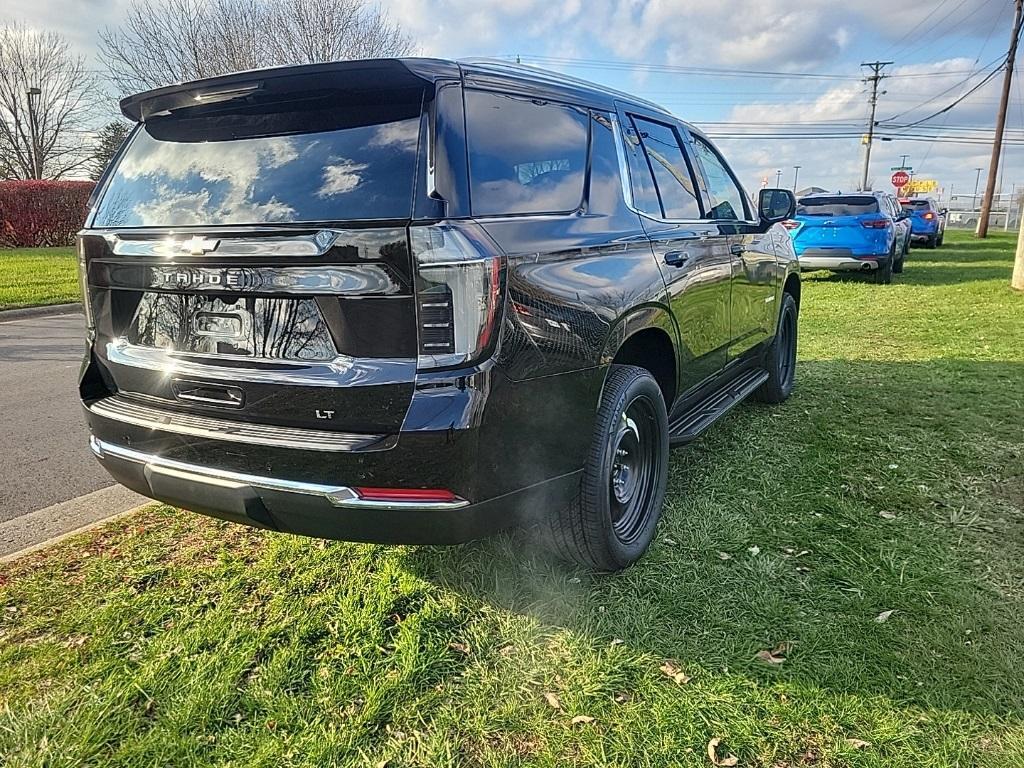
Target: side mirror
x=943 y=211
x=775 y=205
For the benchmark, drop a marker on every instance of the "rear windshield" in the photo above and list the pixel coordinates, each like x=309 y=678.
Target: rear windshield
x=836 y=206
x=316 y=160
x=919 y=205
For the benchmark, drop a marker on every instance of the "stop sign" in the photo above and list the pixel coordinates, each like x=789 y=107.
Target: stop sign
x=900 y=179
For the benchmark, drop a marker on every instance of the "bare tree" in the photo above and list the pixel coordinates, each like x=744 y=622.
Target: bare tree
x=47 y=98
x=167 y=41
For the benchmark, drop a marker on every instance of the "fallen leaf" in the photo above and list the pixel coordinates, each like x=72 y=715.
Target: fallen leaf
x=670 y=542
x=617 y=641
x=886 y=515
x=724 y=556
x=883 y=616
x=582 y=720
x=775 y=656
x=725 y=762
x=754 y=550
x=621 y=697
x=462 y=648
x=672 y=670
x=552 y=699
x=858 y=743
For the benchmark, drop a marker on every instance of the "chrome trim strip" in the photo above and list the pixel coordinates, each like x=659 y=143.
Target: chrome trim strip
x=125 y=411
x=342 y=371
x=294 y=245
x=336 y=495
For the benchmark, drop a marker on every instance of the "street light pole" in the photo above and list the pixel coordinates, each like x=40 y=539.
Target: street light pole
x=796 y=175
x=778 y=178
x=977 y=180
x=34 y=93
x=903 y=161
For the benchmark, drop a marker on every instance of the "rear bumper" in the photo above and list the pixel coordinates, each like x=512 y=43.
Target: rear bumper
x=840 y=262
x=325 y=511
x=509 y=451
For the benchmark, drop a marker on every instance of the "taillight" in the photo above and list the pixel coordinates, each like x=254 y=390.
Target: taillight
x=83 y=284
x=876 y=223
x=790 y=224
x=459 y=274
x=928 y=215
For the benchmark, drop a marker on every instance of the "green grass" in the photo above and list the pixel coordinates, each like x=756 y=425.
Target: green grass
x=33 y=277
x=893 y=480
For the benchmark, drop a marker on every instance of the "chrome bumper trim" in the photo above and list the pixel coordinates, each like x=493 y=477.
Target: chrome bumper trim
x=337 y=495
x=125 y=411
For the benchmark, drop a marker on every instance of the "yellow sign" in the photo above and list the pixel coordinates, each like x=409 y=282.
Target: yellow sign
x=919 y=186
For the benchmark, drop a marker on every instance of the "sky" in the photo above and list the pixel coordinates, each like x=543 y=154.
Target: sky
x=800 y=65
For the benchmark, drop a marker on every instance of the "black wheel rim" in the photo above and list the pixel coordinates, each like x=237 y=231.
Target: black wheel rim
x=787 y=349
x=634 y=468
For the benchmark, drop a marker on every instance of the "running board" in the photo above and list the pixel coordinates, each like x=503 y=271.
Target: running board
x=691 y=424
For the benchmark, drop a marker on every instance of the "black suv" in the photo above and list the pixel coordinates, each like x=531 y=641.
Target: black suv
x=414 y=300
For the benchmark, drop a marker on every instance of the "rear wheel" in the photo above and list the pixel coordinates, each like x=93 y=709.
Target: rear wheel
x=883 y=275
x=932 y=241
x=780 y=362
x=941 y=236
x=611 y=522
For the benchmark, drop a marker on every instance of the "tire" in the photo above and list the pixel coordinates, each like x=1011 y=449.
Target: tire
x=942 y=235
x=780 y=361
x=932 y=241
x=611 y=522
x=883 y=275
x=897 y=266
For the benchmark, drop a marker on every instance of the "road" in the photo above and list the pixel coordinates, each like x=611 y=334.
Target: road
x=45 y=462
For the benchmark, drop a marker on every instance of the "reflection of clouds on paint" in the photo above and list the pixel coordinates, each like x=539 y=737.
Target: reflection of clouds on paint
x=234 y=169
x=403 y=136
x=341 y=177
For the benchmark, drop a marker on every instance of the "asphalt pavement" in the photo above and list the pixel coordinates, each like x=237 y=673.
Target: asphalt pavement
x=46 y=466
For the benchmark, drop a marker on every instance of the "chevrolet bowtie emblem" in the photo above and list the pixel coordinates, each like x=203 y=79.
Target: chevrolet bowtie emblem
x=197 y=246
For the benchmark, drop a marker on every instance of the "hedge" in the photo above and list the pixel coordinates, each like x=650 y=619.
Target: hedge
x=42 y=213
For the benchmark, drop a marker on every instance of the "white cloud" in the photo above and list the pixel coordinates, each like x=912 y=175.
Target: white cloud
x=341 y=178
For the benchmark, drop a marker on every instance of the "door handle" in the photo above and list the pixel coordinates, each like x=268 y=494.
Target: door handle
x=677 y=258
x=736 y=249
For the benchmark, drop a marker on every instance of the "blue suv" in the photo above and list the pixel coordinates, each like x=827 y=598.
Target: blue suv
x=854 y=232
x=927 y=220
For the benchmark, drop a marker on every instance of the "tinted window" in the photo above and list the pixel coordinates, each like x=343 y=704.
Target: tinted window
x=605 y=190
x=918 y=205
x=725 y=195
x=525 y=156
x=318 y=163
x=671 y=171
x=836 y=206
x=645 y=196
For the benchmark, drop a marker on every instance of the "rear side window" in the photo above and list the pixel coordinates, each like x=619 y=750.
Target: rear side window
x=525 y=155
x=317 y=159
x=641 y=182
x=726 y=197
x=836 y=206
x=671 y=171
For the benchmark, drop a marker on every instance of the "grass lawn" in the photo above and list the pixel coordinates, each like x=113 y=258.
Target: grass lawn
x=868 y=533
x=32 y=277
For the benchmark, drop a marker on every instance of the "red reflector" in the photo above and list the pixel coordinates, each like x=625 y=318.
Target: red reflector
x=411 y=495
x=790 y=224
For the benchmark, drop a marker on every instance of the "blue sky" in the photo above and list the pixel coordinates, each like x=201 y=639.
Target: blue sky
x=935 y=45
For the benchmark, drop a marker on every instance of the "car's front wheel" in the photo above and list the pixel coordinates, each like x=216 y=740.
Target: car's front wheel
x=780 y=361
x=611 y=522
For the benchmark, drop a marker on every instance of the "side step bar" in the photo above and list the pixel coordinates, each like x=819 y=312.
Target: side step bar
x=691 y=424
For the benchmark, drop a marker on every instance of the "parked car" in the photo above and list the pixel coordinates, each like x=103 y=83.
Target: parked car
x=901 y=220
x=855 y=232
x=414 y=300
x=927 y=220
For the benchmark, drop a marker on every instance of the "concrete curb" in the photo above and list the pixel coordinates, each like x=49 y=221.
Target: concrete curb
x=26 y=312
x=45 y=527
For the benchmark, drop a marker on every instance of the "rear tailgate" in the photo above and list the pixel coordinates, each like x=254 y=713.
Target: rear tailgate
x=249 y=257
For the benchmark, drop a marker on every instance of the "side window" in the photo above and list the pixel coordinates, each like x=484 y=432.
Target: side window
x=645 y=196
x=525 y=155
x=671 y=171
x=726 y=197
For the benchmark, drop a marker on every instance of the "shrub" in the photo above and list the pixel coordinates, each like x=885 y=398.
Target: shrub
x=42 y=213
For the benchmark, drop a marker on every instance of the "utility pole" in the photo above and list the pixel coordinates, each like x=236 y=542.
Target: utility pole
x=778 y=178
x=36 y=152
x=796 y=175
x=997 y=144
x=903 y=161
x=874 y=78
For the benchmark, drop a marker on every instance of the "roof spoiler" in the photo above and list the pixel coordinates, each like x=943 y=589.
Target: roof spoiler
x=359 y=75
